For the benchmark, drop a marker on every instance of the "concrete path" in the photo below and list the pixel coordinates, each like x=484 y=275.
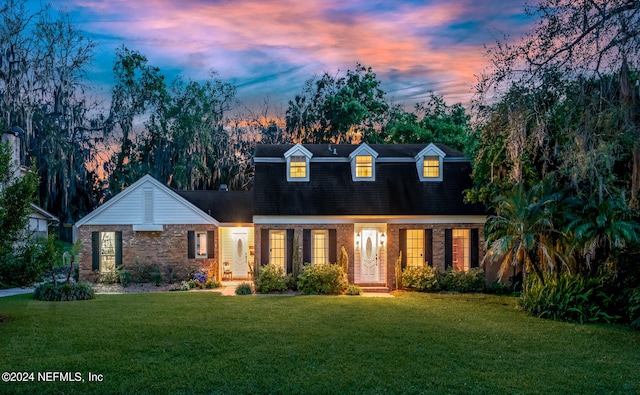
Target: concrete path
x=15 y=291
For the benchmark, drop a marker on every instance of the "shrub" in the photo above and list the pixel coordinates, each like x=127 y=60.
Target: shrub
x=141 y=273
x=244 y=288
x=567 y=298
x=499 y=288
x=22 y=266
x=421 y=279
x=156 y=278
x=291 y=281
x=109 y=278
x=271 y=279
x=64 y=292
x=195 y=284
x=354 y=290
x=210 y=284
x=633 y=307
x=459 y=281
x=125 y=277
x=324 y=278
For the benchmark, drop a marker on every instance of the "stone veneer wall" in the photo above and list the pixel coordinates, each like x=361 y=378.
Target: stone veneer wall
x=344 y=237
x=167 y=249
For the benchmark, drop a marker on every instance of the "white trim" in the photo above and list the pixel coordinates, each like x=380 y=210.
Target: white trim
x=343 y=159
x=430 y=150
x=363 y=150
x=146 y=179
x=148 y=228
x=298 y=150
x=369 y=219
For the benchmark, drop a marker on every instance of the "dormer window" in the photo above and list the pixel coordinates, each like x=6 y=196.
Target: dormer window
x=431 y=167
x=298 y=167
x=298 y=163
x=429 y=163
x=363 y=163
x=364 y=166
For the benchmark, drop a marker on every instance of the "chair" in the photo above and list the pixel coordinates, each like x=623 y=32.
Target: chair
x=227 y=274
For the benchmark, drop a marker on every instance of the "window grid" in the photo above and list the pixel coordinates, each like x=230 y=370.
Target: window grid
x=364 y=166
x=320 y=246
x=298 y=167
x=415 y=247
x=461 y=240
x=201 y=244
x=431 y=168
x=107 y=252
x=277 y=248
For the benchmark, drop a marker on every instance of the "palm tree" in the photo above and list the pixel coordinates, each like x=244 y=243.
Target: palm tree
x=598 y=229
x=521 y=233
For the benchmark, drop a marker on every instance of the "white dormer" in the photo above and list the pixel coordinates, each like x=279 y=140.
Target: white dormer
x=363 y=163
x=429 y=163
x=298 y=163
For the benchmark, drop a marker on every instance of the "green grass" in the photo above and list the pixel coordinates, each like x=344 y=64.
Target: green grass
x=200 y=342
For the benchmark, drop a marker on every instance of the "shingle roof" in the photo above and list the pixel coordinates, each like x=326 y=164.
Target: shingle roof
x=343 y=150
x=397 y=189
x=224 y=206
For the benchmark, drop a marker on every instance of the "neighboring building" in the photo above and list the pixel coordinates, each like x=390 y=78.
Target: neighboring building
x=39 y=218
x=374 y=200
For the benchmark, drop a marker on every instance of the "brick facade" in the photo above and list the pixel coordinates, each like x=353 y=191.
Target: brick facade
x=167 y=250
x=345 y=237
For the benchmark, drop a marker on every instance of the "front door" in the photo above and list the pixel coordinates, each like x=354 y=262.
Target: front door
x=239 y=246
x=369 y=256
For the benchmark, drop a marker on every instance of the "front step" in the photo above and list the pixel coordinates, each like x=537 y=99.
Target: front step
x=374 y=288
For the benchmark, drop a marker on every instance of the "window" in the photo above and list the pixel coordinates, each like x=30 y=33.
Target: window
x=431 y=167
x=320 y=250
x=107 y=252
x=277 y=251
x=415 y=247
x=460 y=246
x=429 y=163
x=364 y=166
x=297 y=159
x=201 y=244
x=298 y=167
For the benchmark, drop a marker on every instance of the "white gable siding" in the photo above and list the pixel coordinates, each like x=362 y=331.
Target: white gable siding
x=167 y=208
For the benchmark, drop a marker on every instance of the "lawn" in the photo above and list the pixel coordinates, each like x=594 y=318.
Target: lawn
x=200 y=342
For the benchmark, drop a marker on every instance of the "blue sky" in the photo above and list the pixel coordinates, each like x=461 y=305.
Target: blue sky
x=268 y=49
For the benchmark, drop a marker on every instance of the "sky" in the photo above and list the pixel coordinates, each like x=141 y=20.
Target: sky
x=269 y=48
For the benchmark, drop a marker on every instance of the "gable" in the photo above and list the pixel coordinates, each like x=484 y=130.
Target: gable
x=147 y=202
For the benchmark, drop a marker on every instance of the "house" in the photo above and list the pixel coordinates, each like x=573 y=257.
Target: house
x=178 y=232
x=39 y=218
x=376 y=201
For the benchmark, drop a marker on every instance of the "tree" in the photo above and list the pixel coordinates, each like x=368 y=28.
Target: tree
x=42 y=69
x=431 y=121
x=203 y=153
x=598 y=229
x=521 y=235
x=337 y=109
x=574 y=42
x=16 y=195
x=139 y=91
